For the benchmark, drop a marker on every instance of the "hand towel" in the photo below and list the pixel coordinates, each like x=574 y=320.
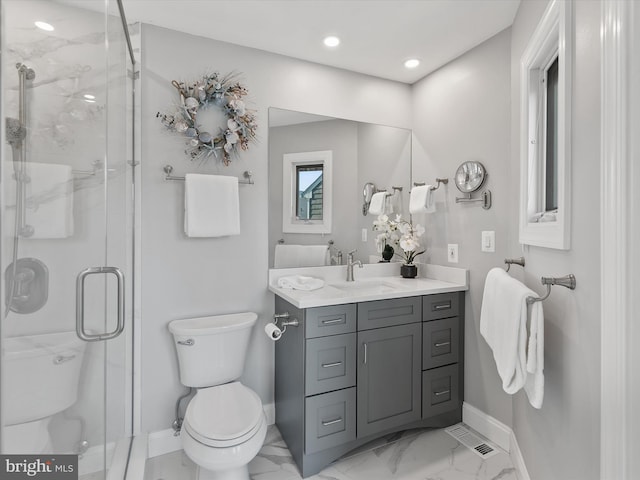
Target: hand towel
x=503 y=324
x=378 y=203
x=288 y=256
x=534 y=386
x=49 y=199
x=211 y=206
x=422 y=200
x=300 y=282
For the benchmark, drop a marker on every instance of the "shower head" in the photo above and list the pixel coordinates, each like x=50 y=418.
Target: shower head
x=15 y=131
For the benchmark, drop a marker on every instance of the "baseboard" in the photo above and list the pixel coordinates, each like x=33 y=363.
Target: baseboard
x=498 y=433
x=486 y=425
x=164 y=441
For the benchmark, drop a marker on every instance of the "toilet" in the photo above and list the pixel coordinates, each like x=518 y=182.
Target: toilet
x=42 y=374
x=224 y=425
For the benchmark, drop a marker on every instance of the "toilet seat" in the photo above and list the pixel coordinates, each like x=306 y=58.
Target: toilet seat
x=224 y=415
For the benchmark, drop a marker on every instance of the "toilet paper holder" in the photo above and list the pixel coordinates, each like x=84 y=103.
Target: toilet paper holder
x=284 y=320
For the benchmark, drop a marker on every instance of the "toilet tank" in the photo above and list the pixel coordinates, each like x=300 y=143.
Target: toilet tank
x=42 y=373
x=212 y=350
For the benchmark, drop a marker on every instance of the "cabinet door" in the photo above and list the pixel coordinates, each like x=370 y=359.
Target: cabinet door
x=389 y=383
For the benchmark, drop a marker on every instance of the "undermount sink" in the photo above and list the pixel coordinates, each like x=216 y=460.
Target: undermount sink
x=364 y=286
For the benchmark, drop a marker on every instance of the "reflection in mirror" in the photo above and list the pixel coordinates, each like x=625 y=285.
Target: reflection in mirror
x=309 y=188
x=306 y=192
x=361 y=154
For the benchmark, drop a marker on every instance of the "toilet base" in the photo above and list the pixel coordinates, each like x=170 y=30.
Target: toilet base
x=229 y=463
x=28 y=438
x=240 y=473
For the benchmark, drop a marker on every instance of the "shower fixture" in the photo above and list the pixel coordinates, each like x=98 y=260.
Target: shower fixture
x=27 y=278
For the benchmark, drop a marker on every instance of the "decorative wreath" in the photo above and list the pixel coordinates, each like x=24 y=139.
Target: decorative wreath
x=223 y=92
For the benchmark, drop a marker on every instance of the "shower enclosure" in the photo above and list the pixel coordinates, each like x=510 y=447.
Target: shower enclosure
x=67 y=221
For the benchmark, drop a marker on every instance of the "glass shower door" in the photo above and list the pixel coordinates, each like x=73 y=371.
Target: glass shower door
x=66 y=214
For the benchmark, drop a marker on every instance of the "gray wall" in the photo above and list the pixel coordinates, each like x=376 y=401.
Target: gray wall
x=461 y=112
x=562 y=440
x=184 y=277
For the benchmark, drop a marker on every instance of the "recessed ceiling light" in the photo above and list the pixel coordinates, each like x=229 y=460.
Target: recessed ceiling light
x=331 y=41
x=412 y=63
x=88 y=96
x=47 y=27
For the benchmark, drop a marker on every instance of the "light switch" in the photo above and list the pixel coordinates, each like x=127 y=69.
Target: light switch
x=452 y=252
x=364 y=235
x=489 y=241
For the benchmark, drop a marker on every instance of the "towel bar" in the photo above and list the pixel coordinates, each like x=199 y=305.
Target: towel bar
x=438 y=182
x=568 y=281
x=511 y=261
x=169 y=168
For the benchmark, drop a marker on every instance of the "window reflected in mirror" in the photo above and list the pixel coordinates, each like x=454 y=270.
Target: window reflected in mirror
x=309 y=188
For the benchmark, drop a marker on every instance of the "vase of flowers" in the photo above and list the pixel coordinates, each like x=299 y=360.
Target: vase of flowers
x=405 y=235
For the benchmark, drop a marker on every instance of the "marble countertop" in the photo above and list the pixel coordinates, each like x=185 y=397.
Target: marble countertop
x=378 y=281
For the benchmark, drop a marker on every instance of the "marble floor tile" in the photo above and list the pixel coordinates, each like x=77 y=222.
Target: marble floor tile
x=423 y=454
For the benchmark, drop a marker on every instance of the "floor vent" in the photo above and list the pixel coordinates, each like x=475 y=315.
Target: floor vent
x=472 y=441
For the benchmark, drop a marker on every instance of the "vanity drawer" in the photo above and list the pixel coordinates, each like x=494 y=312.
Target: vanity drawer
x=440 y=342
x=330 y=363
x=387 y=313
x=330 y=420
x=441 y=305
x=440 y=390
x=331 y=320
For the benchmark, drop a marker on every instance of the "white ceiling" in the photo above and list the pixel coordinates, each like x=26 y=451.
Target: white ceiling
x=377 y=35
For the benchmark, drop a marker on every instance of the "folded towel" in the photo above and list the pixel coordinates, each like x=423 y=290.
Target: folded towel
x=378 y=203
x=421 y=200
x=49 y=199
x=503 y=324
x=211 y=206
x=288 y=256
x=300 y=282
x=534 y=386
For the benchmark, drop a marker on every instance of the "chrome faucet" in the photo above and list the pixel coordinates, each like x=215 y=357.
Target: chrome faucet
x=350 y=264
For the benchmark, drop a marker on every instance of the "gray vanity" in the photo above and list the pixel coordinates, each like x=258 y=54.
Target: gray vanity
x=353 y=372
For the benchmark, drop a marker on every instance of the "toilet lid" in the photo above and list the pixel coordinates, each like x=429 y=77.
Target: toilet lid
x=224 y=415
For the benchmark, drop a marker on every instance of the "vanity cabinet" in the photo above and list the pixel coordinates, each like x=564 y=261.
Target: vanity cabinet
x=351 y=373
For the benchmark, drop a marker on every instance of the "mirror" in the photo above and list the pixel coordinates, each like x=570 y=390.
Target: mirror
x=470 y=176
x=350 y=160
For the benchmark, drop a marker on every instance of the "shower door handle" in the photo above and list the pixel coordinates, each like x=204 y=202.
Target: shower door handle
x=80 y=330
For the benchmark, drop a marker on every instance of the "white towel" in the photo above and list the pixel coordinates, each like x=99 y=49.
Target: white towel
x=300 y=282
x=503 y=324
x=421 y=200
x=211 y=206
x=378 y=203
x=288 y=256
x=49 y=198
x=534 y=385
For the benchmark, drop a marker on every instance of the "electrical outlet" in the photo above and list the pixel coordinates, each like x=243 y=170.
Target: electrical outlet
x=489 y=241
x=364 y=234
x=452 y=252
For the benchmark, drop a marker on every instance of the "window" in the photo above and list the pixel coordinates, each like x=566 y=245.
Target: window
x=546 y=131
x=306 y=192
x=309 y=188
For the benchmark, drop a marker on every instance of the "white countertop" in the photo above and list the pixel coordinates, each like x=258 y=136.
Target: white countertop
x=377 y=281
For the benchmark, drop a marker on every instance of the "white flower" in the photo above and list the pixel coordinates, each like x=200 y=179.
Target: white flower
x=238 y=106
x=180 y=127
x=409 y=243
x=232 y=138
